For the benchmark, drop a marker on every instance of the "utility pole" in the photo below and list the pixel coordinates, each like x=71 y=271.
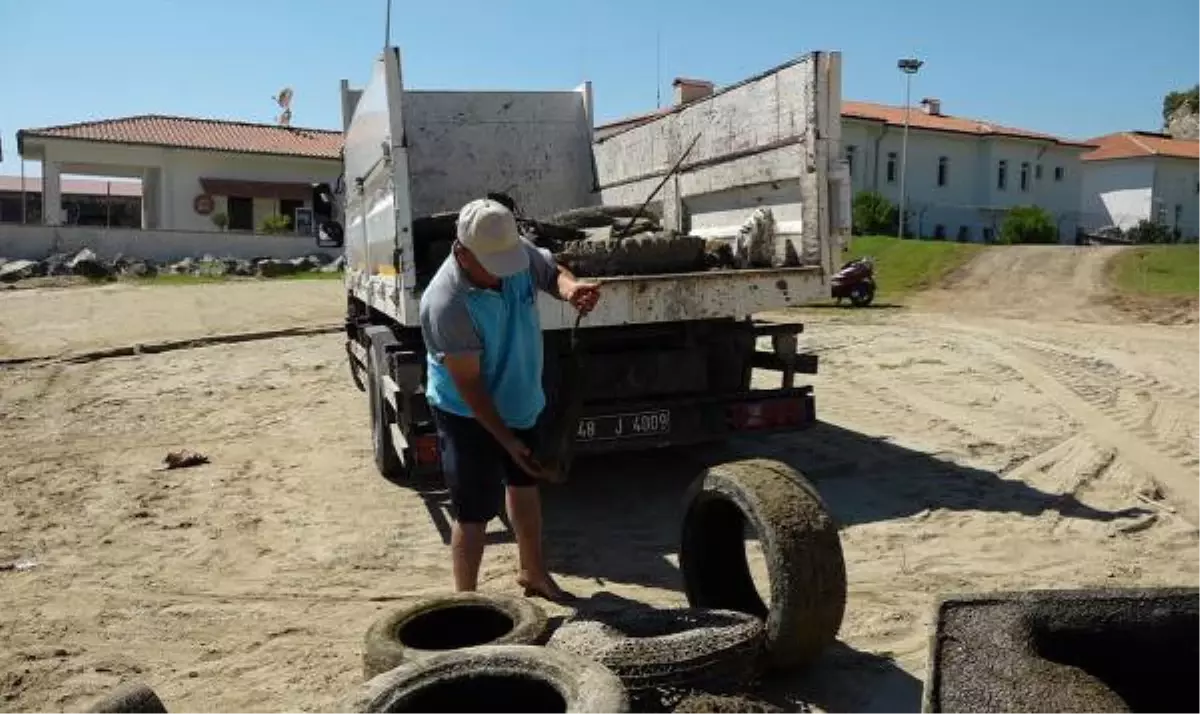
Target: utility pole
x=909 y=67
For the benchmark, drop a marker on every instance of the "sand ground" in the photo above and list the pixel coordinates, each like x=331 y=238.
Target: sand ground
x=1011 y=432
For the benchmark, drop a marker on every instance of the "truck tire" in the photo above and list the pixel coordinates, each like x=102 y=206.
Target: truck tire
x=805 y=564
x=387 y=461
x=132 y=698
x=637 y=255
x=493 y=678
x=684 y=648
x=705 y=703
x=451 y=622
x=597 y=216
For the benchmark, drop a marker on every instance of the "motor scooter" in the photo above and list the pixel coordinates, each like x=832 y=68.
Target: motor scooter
x=855 y=281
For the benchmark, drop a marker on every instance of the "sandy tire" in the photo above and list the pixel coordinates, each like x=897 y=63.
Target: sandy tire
x=134 y=698
x=596 y=216
x=707 y=703
x=800 y=542
x=677 y=648
x=638 y=255
x=450 y=622
x=515 y=678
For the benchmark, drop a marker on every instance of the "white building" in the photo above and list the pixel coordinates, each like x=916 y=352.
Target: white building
x=962 y=174
x=190 y=169
x=1137 y=176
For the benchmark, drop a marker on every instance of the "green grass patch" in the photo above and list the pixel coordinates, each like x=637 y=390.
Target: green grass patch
x=906 y=266
x=170 y=279
x=1157 y=270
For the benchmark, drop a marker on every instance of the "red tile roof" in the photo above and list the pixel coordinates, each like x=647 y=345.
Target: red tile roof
x=1137 y=144
x=204 y=134
x=74 y=187
x=918 y=119
x=867 y=111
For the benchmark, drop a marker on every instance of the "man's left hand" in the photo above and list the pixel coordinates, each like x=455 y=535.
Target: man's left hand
x=583 y=295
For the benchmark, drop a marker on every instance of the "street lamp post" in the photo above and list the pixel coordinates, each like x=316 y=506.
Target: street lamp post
x=909 y=67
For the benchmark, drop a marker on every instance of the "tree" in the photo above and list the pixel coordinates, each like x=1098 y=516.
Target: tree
x=1028 y=224
x=1173 y=100
x=1151 y=232
x=873 y=214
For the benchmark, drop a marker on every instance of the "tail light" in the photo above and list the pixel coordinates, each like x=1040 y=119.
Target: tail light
x=425 y=449
x=767 y=414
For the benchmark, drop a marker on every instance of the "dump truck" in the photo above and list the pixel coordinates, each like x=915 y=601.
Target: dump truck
x=666 y=358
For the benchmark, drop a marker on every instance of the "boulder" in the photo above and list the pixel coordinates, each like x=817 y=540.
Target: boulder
x=187 y=266
x=337 y=266
x=56 y=264
x=275 y=268
x=242 y=268
x=86 y=264
x=15 y=270
x=320 y=260
x=139 y=269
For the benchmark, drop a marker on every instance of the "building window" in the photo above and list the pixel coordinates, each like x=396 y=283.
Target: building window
x=989 y=235
x=964 y=234
x=943 y=170
x=1059 y=172
x=850 y=159
x=1160 y=213
x=287 y=208
x=1037 y=172
x=1178 y=214
x=1024 y=176
x=241 y=213
x=939 y=232
x=1002 y=176
x=891 y=167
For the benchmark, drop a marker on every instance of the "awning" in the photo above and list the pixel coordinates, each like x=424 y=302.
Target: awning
x=257 y=189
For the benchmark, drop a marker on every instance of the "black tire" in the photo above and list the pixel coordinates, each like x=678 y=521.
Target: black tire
x=862 y=294
x=134 y=698
x=800 y=541
x=680 y=648
x=387 y=461
x=638 y=255
x=597 y=216
x=449 y=622
x=493 y=678
x=706 y=703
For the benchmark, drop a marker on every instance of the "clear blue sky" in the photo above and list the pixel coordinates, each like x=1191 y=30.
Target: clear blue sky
x=1077 y=68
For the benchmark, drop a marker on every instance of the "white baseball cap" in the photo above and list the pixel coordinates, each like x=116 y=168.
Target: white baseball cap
x=489 y=231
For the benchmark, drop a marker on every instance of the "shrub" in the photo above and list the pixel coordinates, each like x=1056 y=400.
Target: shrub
x=1028 y=224
x=276 y=224
x=220 y=220
x=1151 y=232
x=873 y=214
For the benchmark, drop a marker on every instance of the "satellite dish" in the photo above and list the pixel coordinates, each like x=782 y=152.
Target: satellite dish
x=285 y=119
x=284 y=98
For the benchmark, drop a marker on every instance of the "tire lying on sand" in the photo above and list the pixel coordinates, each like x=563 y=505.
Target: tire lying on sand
x=800 y=543
x=493 y=678
x=451 y=622
x=133 y=698
x=637 y=255
x=684 y=648
x=705 y=703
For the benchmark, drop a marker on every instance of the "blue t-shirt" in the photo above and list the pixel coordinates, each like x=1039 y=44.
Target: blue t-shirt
x=501 y=326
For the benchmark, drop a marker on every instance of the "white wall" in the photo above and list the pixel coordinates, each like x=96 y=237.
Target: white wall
x=971 y=181
x=1116 y=193
x=1175 y=182
x=180 y=171
x=31 y=242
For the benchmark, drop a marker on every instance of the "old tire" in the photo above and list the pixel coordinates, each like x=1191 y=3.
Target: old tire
x=493 y=678
x=801 y=546
x=596 y=216
x=683 y=648
x=451 y=622
x=638 y=255
x=706 y=703
x=134 y=698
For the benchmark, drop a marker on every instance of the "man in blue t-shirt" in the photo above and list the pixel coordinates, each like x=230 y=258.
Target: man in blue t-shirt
x=479 y=319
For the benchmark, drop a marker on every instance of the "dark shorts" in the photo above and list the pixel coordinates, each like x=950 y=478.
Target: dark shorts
x=476 y=467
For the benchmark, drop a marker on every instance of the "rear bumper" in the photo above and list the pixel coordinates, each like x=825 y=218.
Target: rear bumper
x=696 y=420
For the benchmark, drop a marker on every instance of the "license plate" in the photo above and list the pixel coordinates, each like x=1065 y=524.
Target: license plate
x=624 y=426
